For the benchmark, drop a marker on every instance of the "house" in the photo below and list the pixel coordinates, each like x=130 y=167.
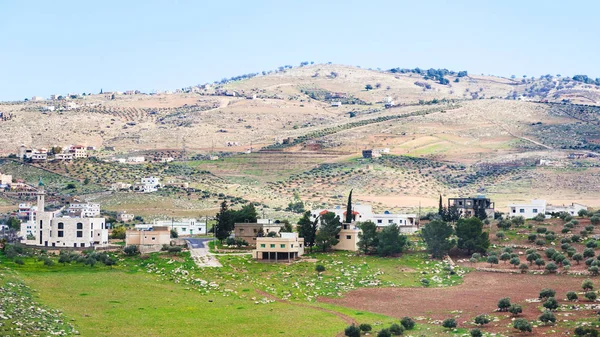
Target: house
x=53 y=229
x=136 y=159
x=336 y=104
x=467 y=206
x=125 y=217
x=250 y=231
x=37 y=98
x=148 y=185
x=49 y=108
x=576 y=155
x=286 y=247
x=109 y=148
x=361 y=213
x=367 y=154
x=63 y=156
x=39 y=155
x=26 y=211
x=79 y=151
x=388 y=102
x=380 y=152
x=166 y=159
x=91 y=148
x=84 y=210
x=527 y=211
x=572 y=209
x=5 y=179
x=157 y=236
x=183 y=226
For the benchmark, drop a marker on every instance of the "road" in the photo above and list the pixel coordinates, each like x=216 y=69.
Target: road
x=200 y=253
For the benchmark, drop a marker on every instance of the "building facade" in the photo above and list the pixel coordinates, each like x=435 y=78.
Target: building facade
x=157 y=236
x=183 y=227
x=84 y=210
x=527 y=210
x=361 y=213
x=467 y=207
x=284 y=248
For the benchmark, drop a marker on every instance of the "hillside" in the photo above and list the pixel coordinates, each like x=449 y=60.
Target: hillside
x=475 y=134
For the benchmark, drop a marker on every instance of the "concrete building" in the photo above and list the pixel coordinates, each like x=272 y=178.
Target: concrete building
x=157 y=236
x=527 y=210
x=348 y=237
x=79 y=151
x=361 y=213
x=118 y=186
x=84 y=210
x=136 y=159
x=53 y=229
x=5 y=180
x=26 y=211
x=284 y=248
x=572 y=209
x=63 y=156
x=125 y=217
x=183 y=227
x=467 y=206
x=250 y=231
x=148 y=185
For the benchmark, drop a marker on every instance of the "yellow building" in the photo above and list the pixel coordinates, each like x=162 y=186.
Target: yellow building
x=157 y=236
x=348 y=238
x=279 y=249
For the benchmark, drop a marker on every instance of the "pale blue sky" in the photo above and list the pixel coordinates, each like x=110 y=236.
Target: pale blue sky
x=80 y=46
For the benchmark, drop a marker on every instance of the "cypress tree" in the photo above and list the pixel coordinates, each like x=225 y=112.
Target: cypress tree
x=349 y=208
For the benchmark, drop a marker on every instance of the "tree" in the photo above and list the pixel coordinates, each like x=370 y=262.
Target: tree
x=482 y=320
x=365 y=327
x=522 y=325
x=286 y=228
x=131 y=250
x=368 y=237
x=452 y=214
x=441 y=210
x=437 y=236
x=471 y=236
x=408 y=323
x=547 y=293
x=391 y=242
x=384 y=333
x=504 y=304
x=515 y=261
x=492 y=259
x=352 y=331
x=595 y=220
x=307 y=229
x=174 y=234
x=551 y=304
x=551 y=267
x=449 y=323
x=540 y=263
x=505 y=257
x=532 y=257
x=577 y=257
x=13 y=223
x=319 y=268
x=587 y=285
x=224 y=223
x=328 y=231
x=586 y=332
x=396 y=329
x=349 y=210
x=515 y=309
x=64 y=258
x=475 y=332
x=368 y=87
x=572 y=296
x=591 y=295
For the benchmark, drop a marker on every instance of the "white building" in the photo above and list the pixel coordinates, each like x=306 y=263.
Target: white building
x=148 y=184
x=118 y=186
x=63 y=156
x=53 y=229
x=5 y=179
x=361 y=213
x=79 y=151
x=572 y=209
x=84 y=210
x=527 y=210
x=182 y=226
x=137 y=159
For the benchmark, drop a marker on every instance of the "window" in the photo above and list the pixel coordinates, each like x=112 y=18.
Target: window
x=61 y=225
x=300 y=245
x=272 y=245
x=379 y=221
x=79 y=234
x=292 y=245
x=92 y=226
x=153 y=238
x=337 y=237
x=535 y=210
x=183 y=229
x=521 y=210
x=514 y=210
x=282 y=245
x=61 y=234
x=348 y=237
x=390 y=221
x=255 y=230
x=241 y=230
x=262 y=245
x=41 y=224
x=79 y=225
x=345 y=226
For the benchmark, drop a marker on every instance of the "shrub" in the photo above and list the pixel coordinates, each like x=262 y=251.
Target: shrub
x=408 y=323
x=476 y=333
x=504 y=304
x=522 y=325
x=532 y=237
x=589 y=228
x=585 y=331
x=551 y=304
x=591 y=295
x=364 y=327
x=500 y=235
x=540 y=217
x=591 y=244
x=19 y=261
x=174 y=250
x=595 y=220
x=174 y=234
x=384 y=333
x=482 y=320
x=572 y=296
x=396 y=329
x=550 y=252
x=492 y=260
x=547 y=293
x=320 y=268
x=449 y=323
x=131 y=250
x=547 y=317
x=352 y=331
x=551 y=267
x=541 y=230
x=577 y=257
x=587 y=285
x=515 y=309
x=588 y=252
x=523 y=267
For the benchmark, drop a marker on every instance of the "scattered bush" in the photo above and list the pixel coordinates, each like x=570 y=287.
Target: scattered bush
x=131 y=250
x=384 y=333
x=320 y=268
x=408 y=323
x=475 y=333
x=515 y=309
x=547 y=293
x=449 y=323
x=352 y=331
x=364 y=327
x=547 y=317
x=482 y=320
x=551 y=304
x=522 y=325
x=591 y=296
x=587 y=285
x=572 y=296
x=396 y=329
x=504 y=304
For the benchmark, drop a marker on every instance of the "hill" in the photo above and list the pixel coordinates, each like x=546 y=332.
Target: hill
x=448 y=132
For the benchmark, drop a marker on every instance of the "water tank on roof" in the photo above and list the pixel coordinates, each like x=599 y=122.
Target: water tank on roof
x=387 y=212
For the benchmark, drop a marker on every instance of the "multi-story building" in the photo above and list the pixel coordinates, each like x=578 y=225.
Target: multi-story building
x=467 y=207
x=85 y=210
x=249 y=232
x=79 y=151
x=125 y=217
x=284 y=248
x=148 y=184
x=527 y=210
x=181 y=226
x=53 y=229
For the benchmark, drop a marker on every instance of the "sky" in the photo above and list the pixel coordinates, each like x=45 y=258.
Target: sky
x=62 y=46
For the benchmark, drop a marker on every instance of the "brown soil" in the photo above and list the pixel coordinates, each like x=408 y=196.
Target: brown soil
x=479 y=294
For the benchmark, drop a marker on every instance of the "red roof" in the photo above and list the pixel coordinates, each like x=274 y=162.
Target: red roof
x=323 y=212
x=353 y=213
